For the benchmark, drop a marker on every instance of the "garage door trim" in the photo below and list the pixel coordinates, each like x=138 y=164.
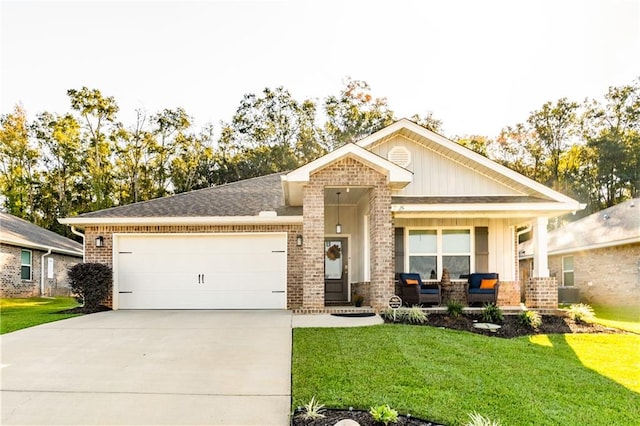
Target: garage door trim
x=116 y=251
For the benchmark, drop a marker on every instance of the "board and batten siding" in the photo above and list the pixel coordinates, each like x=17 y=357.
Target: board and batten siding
x=437 y=175
x=501 y=242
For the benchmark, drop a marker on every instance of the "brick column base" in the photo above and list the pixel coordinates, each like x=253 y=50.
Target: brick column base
x=509 y=294
x=541 y=293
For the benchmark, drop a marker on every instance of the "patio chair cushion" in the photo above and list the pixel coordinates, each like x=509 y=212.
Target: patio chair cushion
x=429 y=290
x=488 y=284
x=482 y=290
x=475 y=279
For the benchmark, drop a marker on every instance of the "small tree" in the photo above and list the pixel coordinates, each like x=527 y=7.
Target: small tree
x=91 y=282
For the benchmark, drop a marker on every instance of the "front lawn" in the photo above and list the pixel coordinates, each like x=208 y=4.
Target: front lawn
x=443 y=375
x=16 y=314
x=623 y=317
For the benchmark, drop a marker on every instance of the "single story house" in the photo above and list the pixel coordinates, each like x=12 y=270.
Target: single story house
x=34 y=261
x=401 y=199
x=596 y=259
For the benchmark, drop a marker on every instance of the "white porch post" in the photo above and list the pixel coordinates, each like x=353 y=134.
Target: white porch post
x=540 y=253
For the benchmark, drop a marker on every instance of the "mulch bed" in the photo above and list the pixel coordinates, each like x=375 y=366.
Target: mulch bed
x=333 y=416
x=85 y=310
x=511 y=327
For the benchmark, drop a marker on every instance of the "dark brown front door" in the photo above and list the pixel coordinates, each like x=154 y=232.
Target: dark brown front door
x=336 y=270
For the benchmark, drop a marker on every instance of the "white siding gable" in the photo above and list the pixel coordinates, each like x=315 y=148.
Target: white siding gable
x=436 y=175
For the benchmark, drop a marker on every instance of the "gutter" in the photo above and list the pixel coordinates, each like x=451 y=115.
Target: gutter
x=42 y=271
x=81 y=235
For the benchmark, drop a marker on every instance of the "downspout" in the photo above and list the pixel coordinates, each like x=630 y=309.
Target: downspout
x=81 y=235
x=42 y=271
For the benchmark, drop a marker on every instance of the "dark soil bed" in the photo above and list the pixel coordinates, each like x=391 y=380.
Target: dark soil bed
x=511 y=327
x=332 y=416
x=85 y=310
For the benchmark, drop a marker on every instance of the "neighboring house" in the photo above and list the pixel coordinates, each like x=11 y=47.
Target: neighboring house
x=402 y=199
x=597 y=258
x=33 y=260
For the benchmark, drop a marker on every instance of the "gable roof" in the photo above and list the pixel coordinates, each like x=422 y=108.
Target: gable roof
x=236 y=202
x=18 y=232
x=293 y=182
x=467 y=157
x=614 y=226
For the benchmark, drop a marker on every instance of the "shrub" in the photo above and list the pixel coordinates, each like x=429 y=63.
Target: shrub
x=479 y=420
x=91 y=282
x=530 y=319
x=492 y=313
x=581 y=313
x=384 y=414
x=396 y=315
x=416 y=315
x=312 y=410
x=454 y=308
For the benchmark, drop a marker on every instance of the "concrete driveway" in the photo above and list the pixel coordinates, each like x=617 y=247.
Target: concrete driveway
x=150 y=367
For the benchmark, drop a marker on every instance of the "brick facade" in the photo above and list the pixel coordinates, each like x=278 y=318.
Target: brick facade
x=294 y=253
x=604 y=276
x=542 y=293
x=11 y=284
x=344 y=173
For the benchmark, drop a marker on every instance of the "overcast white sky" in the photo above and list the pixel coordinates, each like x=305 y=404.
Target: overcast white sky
x=478 y=65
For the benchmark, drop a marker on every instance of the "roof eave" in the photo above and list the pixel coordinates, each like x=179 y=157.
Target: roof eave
x=24 y=244
x=181 y=220
x=520 y=210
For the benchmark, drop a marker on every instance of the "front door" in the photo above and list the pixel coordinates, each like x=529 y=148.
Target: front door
x=336 y=270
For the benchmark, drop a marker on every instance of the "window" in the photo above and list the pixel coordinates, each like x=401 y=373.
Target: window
x=567 y=271
x=432 y=250
x=25 y=265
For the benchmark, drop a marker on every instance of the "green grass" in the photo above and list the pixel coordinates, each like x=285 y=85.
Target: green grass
x=625 y=317
x=444 y=375
x=16 y=314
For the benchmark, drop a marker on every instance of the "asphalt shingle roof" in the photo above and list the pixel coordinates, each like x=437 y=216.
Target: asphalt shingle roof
x=243 y=198
x=19 y=232
x=620 y=223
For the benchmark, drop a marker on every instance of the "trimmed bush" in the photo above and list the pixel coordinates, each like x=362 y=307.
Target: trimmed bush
x=91 y=282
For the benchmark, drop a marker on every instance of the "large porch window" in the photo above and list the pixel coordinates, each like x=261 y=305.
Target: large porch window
x=432 y=250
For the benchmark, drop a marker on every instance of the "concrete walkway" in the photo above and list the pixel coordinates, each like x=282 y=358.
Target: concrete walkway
x=150 y=367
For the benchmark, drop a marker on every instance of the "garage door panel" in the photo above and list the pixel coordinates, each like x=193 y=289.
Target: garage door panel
x=239 y=271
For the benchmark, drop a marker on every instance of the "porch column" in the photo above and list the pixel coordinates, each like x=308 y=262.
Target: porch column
x=313 y=247
x=540 y=253
x=541 y=291
x=381 y=237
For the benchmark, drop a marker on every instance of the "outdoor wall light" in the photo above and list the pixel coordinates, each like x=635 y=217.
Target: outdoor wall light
x=338 y=226
x=100 y=241
x=299 y=240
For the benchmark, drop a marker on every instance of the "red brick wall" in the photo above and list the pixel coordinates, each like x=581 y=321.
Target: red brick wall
x=344 y=173
x=294 y=253
x=541 y=293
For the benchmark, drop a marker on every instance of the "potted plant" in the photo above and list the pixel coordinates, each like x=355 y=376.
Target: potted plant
x=358 y=300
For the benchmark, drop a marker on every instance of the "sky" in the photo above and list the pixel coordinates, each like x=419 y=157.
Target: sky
x=476 y=65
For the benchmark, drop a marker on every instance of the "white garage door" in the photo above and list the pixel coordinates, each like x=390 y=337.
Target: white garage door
x=215 y=271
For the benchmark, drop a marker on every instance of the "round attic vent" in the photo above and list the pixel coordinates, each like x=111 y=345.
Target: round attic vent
x=399 y=155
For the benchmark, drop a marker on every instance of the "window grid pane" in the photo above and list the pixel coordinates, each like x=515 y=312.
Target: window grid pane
x=423 y=241
x=25 y=272
x=426 y=266
x=456 y=241
x=568 y=279
x=457 y=265
x=26 y=257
